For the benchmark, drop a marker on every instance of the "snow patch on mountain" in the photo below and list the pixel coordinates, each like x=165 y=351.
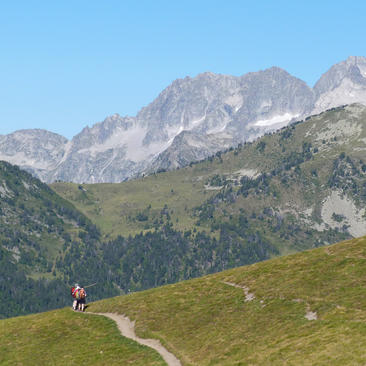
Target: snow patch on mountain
x=130 y=140
x=196 y=122
x=282 y=119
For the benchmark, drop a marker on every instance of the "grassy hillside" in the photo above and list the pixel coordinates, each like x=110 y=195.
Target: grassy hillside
x=207 y=322
x=303 y=309
x=66 y=338
x=137 y=205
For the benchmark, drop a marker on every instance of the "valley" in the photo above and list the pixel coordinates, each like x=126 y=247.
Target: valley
x=301 y=187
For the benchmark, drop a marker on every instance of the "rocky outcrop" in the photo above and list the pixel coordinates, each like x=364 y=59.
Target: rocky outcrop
x=37 y=151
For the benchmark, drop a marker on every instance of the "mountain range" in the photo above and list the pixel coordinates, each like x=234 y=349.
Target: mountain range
x=191 y=119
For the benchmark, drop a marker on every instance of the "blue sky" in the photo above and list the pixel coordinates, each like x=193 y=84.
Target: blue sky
x=68 y=64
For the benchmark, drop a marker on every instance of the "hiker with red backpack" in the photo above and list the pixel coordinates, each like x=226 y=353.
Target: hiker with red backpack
x=74 y=289
x=79 y=295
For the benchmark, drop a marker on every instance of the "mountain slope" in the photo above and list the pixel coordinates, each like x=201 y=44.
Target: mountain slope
x=36 y=223
x=191 y=119
x=39 y=232
x=310 y=174
x=303 y=309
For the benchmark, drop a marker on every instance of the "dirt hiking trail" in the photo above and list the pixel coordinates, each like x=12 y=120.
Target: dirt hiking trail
x=127 y=329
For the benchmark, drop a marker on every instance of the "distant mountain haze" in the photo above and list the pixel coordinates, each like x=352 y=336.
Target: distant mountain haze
x=190 y=120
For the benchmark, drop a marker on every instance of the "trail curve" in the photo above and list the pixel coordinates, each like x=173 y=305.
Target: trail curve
x=127 y=329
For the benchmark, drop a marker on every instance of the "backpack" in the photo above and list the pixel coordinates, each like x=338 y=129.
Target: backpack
x=73 y=291
x=82 y=293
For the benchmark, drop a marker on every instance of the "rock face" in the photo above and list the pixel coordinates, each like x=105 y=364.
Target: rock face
x=344 y=83
x=200 y=116
x=37 y=151
x=108 y=152
x=191 y=119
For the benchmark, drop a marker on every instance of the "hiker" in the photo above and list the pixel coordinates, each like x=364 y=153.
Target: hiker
x=82 y=299
x=74 y=291
x=79 y=295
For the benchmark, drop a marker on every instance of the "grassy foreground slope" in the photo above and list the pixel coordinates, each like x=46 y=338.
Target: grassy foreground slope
x=66 y=338
x=208 y=322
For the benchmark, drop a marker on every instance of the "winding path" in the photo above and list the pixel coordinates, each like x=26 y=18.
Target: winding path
x=127 y=329
x=248 y=295
x=310 y=315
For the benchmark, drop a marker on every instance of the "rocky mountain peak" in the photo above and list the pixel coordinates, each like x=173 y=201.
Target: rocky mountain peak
x=354 y=68
x=35 y=150
x=356 y=60
x=192 y=118
x=343 y=83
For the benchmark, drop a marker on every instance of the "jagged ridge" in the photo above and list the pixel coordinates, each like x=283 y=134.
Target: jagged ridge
x=212 y=111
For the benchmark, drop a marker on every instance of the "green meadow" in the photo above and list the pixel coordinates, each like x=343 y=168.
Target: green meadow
x=208 y=322
x=63 y=337
x=307 y=308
